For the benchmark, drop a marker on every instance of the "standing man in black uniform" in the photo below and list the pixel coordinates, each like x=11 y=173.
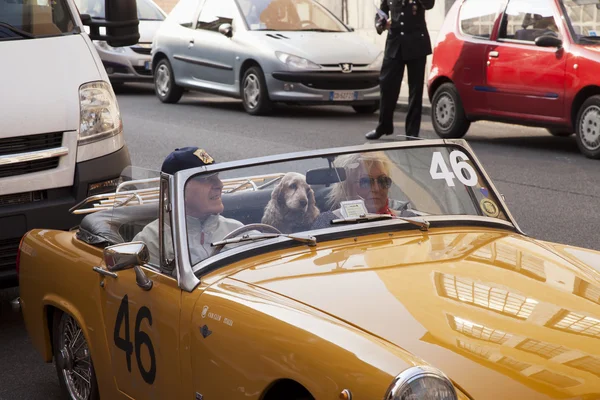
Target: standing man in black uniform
x=407 y=45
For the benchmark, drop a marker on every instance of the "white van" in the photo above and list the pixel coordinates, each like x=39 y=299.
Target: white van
x=61 y=134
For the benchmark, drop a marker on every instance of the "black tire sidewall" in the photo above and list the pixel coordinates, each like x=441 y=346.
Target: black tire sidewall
x=264 y=103
x=592 y=101
x=174 y=93
x=461 y=124
x=56 y=327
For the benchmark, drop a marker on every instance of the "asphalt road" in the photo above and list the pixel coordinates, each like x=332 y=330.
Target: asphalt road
x=552 y=190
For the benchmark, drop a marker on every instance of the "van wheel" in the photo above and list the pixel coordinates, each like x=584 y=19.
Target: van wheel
x=255 y=95
x=588 y=128
x=559 y=132
x=164 y=83
x=366 y=108
x=74 y=366
x=447 y=113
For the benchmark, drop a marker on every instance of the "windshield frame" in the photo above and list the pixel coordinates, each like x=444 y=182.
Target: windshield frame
x=316 y=3
x=191 y=274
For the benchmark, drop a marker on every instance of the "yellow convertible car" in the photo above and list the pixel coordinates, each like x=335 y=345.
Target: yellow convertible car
x=377 y=272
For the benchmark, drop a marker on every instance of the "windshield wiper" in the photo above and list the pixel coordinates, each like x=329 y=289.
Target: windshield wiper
x=16 y=30
x=317 y=30
x=310 y=240
x=420 y=222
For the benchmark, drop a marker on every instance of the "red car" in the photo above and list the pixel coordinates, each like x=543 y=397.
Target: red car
x=527 y=62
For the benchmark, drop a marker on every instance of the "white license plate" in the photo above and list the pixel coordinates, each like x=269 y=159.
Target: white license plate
x=343 y=96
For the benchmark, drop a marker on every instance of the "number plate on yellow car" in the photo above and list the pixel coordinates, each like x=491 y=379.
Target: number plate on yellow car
x=343 y=96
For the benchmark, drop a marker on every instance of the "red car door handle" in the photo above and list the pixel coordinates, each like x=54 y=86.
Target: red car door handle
x=494 y=54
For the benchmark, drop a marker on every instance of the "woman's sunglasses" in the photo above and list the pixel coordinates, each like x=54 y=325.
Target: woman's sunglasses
x=383 y=181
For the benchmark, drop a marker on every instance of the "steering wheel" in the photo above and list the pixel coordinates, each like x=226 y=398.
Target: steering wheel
x=242 y=229
x=308 y=24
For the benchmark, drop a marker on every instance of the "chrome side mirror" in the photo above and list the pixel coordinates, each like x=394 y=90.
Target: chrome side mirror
x=126 y=256
x=226 y=29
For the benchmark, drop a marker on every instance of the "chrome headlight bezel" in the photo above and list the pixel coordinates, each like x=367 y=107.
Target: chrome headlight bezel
x=408 y=376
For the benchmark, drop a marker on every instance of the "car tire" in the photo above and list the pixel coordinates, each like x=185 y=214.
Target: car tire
x=447 y=113
x=559 y=132
x=64 y=336
x=254 y=92
x=164 y=83
x=588 y=128
x=366 y=108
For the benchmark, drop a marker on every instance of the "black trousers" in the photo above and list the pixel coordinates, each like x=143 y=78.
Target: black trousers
x=390 y=81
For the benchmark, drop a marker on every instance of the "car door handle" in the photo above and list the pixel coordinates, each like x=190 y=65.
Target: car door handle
x=105 y=272
x=191 y=44
x=494 y=54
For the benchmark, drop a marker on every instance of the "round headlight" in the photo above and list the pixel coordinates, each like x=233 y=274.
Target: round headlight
x=422 y=383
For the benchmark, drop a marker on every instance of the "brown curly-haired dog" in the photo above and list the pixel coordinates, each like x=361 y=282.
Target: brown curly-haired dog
x=292 y=207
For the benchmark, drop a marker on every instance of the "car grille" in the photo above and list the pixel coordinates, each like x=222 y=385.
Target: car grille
x=143 y=71
x=22 y=198
x=8 y=254
x=26 y=144
x=28 y=167
x=342 y=85
x=142 y=50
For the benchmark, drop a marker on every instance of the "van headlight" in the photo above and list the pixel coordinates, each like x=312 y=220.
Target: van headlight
x=295 y=61
x=99 y=113
x=422 y=383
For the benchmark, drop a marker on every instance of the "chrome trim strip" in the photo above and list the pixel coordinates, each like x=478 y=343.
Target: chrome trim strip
x=204 y=63
x=34 y=155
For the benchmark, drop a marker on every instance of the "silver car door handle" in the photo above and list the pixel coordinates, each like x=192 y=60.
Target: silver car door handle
x=105 y=272
x=494 y=54
x=191 y=44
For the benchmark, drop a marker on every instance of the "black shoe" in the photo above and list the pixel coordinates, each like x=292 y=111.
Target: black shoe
x=373 y=135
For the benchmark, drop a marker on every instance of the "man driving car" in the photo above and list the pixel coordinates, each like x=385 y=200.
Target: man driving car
x=203 y=206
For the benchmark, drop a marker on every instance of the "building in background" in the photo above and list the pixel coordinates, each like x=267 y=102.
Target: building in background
x=360 y=15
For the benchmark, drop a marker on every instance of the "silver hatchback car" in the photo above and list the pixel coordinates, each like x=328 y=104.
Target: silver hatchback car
x=265 y=51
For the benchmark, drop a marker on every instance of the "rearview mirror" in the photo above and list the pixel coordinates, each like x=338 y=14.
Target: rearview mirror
x=325 y=176
x=226 y=30
x=548 y=41
x=125 y=256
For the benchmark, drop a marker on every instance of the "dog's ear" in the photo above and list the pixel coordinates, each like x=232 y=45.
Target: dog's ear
x=278 y=194
x=312 y=211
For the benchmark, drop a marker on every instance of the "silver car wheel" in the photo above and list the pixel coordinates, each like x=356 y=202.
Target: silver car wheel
x=75 y=360
x=589 y=128
x=445 y=111
x=163 y=80
x=252 y=91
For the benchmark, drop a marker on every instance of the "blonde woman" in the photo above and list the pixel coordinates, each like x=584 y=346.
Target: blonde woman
x=367 y=179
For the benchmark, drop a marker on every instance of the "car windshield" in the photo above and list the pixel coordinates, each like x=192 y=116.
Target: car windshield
x=583 y=17
x=32 y=19
x=289 y=15
x=146 y=9
x=334 y=191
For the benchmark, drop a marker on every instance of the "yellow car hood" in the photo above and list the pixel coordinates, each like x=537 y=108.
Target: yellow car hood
x=504 y=316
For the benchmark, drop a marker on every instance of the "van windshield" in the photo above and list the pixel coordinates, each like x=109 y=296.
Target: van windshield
x=146 y=9
x=32 y=19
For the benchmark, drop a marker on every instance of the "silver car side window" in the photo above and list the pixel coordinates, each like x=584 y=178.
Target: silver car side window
x=214 y=13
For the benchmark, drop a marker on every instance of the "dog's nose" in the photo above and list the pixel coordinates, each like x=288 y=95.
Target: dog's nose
x=303 y=203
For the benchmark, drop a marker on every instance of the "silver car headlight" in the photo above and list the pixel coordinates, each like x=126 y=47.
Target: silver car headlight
x=106 y=47
x=421 y=383
x=378 y=62
x=99 y=116
x=295 y=61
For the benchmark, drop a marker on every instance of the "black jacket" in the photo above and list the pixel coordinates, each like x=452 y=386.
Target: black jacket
x=408 y=37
